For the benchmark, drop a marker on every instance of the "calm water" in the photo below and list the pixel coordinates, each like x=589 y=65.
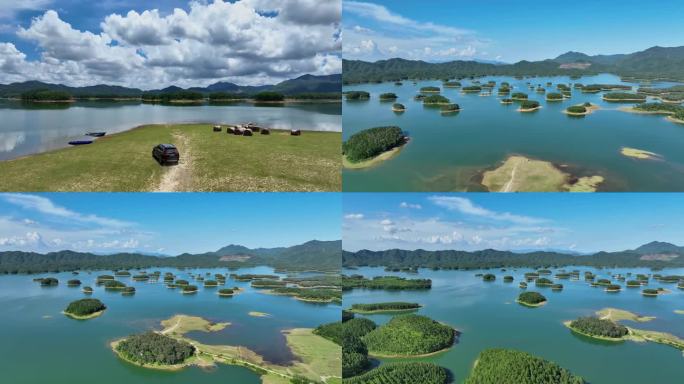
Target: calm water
x=34 y=333
x=448 y=152
x=28 y=129
x=488 y=317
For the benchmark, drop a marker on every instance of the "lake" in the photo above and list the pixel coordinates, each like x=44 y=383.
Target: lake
x=488 y=317
x=40 y=344
x=449 y=152
x=29 y=128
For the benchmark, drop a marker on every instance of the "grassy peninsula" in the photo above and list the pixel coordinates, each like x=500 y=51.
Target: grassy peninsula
x=123 y=162
x=372 y=146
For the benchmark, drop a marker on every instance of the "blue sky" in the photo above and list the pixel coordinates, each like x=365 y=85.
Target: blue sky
x=506 y=30
x=156 y=43
x=165 y=223
x=526 y=221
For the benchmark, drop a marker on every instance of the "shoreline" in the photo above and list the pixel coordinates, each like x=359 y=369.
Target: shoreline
x=362 y=312
x=611 y=339
x=532 y=305
x=529 y=109
x=86 y=317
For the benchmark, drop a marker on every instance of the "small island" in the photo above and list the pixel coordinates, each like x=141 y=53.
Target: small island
x=154 y=350
x=598 y=328
x=259 y=314
x=639 y=154
x=557 y=287
x=613 y=288
x=522 y=285
x=531 y=299
x=543 y=282
x=226 y=292
x=511 y=366
x=450 y=108
x=114 y=285
x=87 y=290
x=396 y=306
x=409 y=336
x=189 y=289
x=581 y=110
x=388 y=96
x=520 y=96
x=47 y=281
x=122 y=273
x=397 y=107
x=85 y=309
x=372 y=146
x=472 y=89
x=452 y=84
x=621 y=97
x=210 y=284
x=529 y=106
x=357 y=95
x=554 y=96
x=506 y=101
x=74 y=283
x=488 y=277
x=430 y=90
x=508 y=279
x=436 y=100
x=128 y=291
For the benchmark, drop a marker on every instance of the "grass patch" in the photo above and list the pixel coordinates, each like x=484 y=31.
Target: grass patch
x=214 y=162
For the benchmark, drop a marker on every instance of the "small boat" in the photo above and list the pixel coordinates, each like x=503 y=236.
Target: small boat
x=96 y=134
x=83 y=141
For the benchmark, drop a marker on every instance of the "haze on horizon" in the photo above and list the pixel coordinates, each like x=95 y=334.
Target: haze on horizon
x=504 y=31
x=156 y=44
x=584 y=223
x=168 y=224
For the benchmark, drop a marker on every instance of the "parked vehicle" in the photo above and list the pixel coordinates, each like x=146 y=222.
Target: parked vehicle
x=295 y=132
x=217 y=128
x=83 y=141
x=166 y=154
x=96 y=134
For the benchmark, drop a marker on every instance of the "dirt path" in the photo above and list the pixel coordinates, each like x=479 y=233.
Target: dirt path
x=178 y=178
x=509 y=185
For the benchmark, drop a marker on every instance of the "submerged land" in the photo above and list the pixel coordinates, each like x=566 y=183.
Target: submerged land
x=208 y=162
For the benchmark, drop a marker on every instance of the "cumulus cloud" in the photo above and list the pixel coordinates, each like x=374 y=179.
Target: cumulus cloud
x=247 y=41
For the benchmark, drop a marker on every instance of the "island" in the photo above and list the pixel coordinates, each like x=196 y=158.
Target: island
x=388 y=96
x=409 y=336
x=506 y=101
x=622 y=97
x=74 y=283
x=259 y=314
x=226 y=292
x=372 y=146
x=450 y=108
x=613 y=288
x=122 y=274
x=522 y=285
x=633 y=284
x=521 y=174
x=210 y=284
x=639 y=154
x=47 y=281
x=397 y=107
x=430 y=90
x=312 y=295
x=85 y=309
x=471 y=89
x=581 y=110
x=488 y=277
x=529 y=106
x=451 y=84
x=189 y=289
x=384 y=282
x=598 y=328
x=554 y=96
x=520 y=96
x=557 y=287
x=128 y=291
x=172 y=349
x=268 y=283
x=87 y=290
x=508 y=279
x=114 y=285
x=436 y=100
x=395 y=306
x=511 y=366
x=531 y=299
x=543 y=282
x=357 y=95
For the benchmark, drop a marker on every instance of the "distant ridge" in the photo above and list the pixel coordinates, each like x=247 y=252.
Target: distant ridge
x=312 y=255
x=299 y=85
x=652 y=255
x=654 y=62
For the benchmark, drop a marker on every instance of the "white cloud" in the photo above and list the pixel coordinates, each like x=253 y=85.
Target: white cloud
x=248 y=41
x=354 y=216
x=409 y=205
x=467 y=207
x=8 y=8
x=46 y=206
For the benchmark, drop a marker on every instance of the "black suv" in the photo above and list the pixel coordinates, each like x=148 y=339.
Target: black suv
x=166 y=154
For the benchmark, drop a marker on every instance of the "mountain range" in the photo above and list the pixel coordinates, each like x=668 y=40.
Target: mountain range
x=654 y=62
x=312 y=255
x=652 y=255
x=300 y=85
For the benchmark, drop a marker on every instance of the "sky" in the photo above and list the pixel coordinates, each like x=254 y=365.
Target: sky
x=583 y=223
x=168 y=224
x=157 y=43
x=506 y=30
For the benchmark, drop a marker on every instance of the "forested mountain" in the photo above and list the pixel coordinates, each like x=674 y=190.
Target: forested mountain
x=312 y=255
x=653 y=255
x=300 y=85
x=655 y=62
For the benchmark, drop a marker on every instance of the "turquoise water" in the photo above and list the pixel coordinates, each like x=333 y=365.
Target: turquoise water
x=33 y=128
x=488 y=317
x=39 y=344
x=448 y=153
